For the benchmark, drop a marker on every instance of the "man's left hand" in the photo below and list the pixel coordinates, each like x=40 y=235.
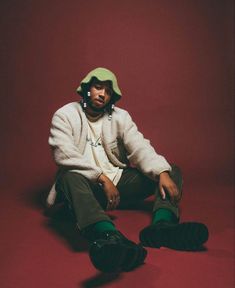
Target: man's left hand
x=168 y=186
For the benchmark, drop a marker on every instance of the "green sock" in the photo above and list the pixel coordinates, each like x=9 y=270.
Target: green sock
x=102 y=226
x=164 y=214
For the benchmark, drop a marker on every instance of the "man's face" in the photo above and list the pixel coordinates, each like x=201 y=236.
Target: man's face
x=100 y=95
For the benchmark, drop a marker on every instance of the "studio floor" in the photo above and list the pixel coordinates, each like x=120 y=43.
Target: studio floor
x=37 y=251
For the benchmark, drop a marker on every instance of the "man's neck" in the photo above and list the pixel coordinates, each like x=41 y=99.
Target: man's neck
x=92 y=115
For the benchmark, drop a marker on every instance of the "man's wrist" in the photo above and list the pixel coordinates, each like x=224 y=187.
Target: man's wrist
x=165 y=171
x=101 y=179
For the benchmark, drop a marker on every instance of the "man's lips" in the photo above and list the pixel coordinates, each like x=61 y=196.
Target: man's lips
x=100 y=101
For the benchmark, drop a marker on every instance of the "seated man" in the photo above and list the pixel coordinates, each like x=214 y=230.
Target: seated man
x=106 y=163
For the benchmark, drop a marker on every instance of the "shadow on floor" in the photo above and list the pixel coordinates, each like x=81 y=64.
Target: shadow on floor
x=58 y=220
x=100 y=279
x=68 y=231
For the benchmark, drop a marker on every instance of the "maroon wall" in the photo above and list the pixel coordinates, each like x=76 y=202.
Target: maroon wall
x=173 y=60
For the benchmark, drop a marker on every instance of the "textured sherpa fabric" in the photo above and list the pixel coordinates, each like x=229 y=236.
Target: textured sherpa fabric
x=124 y=144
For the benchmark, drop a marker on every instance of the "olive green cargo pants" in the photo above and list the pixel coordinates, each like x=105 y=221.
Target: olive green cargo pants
x=86 y=200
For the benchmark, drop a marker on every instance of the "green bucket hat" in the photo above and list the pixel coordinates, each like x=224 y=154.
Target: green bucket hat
x=102 y=74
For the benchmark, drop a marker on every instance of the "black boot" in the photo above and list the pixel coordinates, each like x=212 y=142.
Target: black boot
x=112 y=252
x=188 y=236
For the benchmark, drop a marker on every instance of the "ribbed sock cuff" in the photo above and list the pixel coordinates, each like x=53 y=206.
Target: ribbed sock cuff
x=163 y=214
x=104 y=226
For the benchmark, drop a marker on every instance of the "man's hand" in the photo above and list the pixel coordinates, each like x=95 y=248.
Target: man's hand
x=168 y=186
x=111 y=192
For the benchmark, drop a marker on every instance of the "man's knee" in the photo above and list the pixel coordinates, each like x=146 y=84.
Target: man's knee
x=176 y=176
x=72 y=177
x=176 y=170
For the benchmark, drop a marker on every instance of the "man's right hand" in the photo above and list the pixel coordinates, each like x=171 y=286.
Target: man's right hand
x=110 y=191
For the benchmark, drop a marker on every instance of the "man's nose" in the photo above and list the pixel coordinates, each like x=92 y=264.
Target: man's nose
x=102 y=92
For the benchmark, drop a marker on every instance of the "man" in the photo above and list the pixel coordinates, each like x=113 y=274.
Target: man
x=106 y=163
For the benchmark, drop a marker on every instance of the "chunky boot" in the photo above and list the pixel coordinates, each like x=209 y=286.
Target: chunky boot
x=188 y=236
x=113 y=252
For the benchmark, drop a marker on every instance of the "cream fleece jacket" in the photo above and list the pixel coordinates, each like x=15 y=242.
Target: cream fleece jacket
x=122 y=142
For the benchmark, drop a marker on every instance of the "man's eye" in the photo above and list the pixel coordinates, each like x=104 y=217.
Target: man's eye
x=98 y=87
x=109 y=91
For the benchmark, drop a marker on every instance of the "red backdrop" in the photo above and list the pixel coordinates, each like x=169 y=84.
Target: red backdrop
x=173 y=60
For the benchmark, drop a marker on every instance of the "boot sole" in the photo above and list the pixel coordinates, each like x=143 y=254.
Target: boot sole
x=184 y=236
x=116 y=257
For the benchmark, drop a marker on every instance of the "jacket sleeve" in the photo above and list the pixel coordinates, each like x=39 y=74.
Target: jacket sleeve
x=140 y=152
x=65 y=152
